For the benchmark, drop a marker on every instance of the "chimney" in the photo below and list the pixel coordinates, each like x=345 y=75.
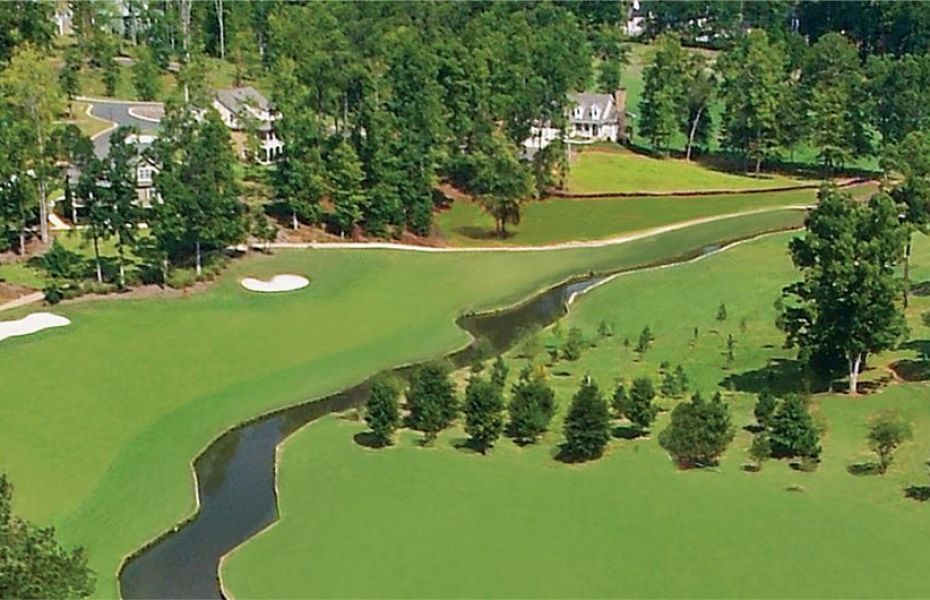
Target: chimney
x=620 y=107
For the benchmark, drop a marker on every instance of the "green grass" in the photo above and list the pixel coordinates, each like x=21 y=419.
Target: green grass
x=560 y=220
x=101 y=419
x=442 y=522
x=220 y=74
x=19 y=273
x=620 y=170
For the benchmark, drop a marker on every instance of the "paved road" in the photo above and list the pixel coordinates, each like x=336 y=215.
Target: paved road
x=116 y=112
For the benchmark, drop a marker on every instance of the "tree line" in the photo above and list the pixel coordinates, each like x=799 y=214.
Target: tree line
x=824 y=96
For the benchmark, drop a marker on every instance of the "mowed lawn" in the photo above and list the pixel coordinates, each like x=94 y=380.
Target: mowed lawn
x=620 y=170
x=444 y=523
x=101 y=418
x=557 y=220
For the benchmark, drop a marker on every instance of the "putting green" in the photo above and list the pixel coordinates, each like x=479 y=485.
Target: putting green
x=101 y=419
x=442 y=522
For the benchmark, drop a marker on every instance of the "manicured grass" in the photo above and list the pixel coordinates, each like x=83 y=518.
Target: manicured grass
x=20 y=273
x=559 y=220
x=101 y=418
x=442 y=522
x=620 y=170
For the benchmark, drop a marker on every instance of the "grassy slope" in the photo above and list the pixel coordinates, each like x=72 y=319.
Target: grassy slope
x=559 y=220
x=447 y=523
x=620 y=170
x=101 y=419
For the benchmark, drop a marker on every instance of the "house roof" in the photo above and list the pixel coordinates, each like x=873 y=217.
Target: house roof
x=603 y=103
x=236 y=98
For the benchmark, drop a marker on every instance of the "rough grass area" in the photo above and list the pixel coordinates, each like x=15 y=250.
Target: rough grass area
x=445 y=523
x=101 y=420
x=620 y=170
x=560 y=220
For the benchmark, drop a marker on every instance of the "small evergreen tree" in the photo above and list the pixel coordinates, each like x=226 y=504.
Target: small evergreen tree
x=699 y=432
x=499 y=372
x=645 y=340
x=484 y=412
x=640 y=409
x=722 y=312
x=605 y=329
x=765 y=409
x=587 y=425
x=761 y=448
x=793 y=432
x=531 y=408
x=431 y=400
x=669 y=387
x=619 y=401
x=574 y=344
x=682 y=378
x=382 y=412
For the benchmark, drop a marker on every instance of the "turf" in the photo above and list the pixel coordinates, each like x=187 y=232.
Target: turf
x=558 y=220
x=443 y=522
x=620 y=170
x=101 y=419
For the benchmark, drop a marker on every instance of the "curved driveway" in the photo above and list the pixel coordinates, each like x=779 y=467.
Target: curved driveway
x=117 y=112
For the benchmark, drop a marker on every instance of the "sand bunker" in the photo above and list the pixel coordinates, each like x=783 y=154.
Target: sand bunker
x=33 y=323
x=278 y=283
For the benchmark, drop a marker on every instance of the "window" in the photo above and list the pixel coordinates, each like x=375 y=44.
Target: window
x=595 y=112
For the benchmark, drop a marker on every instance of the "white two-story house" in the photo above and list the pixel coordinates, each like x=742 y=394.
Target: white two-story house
x=237 y=104
x=591 y=117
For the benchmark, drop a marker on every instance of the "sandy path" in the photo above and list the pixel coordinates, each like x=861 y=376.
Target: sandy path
x=22 y=301
x=611 y=241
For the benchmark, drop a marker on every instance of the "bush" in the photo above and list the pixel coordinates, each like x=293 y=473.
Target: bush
x=181 y=278
x=699 y=432
x=61 y=263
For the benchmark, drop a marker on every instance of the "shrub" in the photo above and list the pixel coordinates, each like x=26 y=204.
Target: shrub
x=61 y=263
x=699 y=432
x=181 y=278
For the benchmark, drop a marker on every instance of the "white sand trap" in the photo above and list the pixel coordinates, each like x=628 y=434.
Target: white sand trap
x=32 y=324
x=278 y=283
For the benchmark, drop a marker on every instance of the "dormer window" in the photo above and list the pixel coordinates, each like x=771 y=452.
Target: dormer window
x=579 y=112
x=595 y=112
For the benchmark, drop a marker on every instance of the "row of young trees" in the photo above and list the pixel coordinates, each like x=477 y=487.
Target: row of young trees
x=698 y=434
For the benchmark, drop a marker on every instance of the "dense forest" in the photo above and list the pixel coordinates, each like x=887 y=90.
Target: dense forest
x=380 y=102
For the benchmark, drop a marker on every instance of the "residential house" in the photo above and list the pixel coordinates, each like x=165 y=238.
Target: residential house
x=238 y=105
x=146 y=170
x=591 y=117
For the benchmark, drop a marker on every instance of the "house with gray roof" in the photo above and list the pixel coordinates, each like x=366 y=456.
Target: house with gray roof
x=239 y=105
x=591 y=117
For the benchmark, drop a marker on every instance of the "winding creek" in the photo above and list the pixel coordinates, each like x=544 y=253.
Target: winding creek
x=235 y=475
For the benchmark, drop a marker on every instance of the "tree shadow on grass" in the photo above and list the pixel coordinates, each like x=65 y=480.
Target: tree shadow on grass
x=473 y=232
x=921 y=493
x=781 y=376
x=864 y=467
x=629 y=432
x=369 y=440
x=563 y=455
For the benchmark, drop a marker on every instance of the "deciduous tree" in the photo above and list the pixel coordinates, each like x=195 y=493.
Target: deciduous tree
x=484 y=412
